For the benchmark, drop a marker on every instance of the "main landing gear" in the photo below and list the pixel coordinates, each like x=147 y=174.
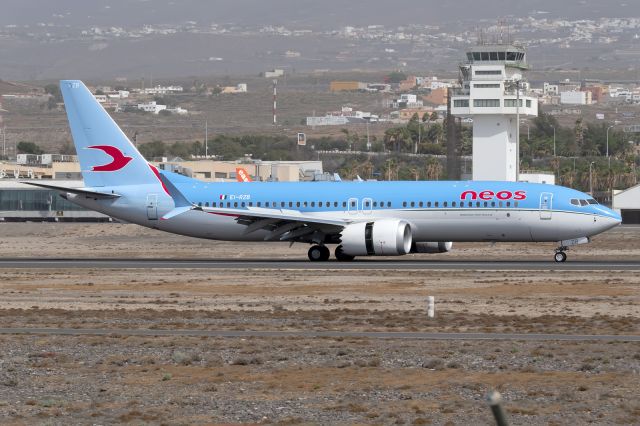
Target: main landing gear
x=560 y=255
x=319 y=253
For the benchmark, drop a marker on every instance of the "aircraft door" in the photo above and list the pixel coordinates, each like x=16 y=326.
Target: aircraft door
x=367 y=205
x=546 y=205
x=152 y=206
x=352 y=206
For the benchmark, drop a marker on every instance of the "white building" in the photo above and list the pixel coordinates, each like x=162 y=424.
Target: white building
x=407 y=101
x=178 y=110
x=152 y=107
x=162 y=90
x=489 y=96
x=575 y=98
x=627 y=202
x=550 y=89
x=273 y=74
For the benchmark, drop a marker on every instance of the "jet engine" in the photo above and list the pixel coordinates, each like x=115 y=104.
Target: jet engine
x=386 y=237
x=431 y=247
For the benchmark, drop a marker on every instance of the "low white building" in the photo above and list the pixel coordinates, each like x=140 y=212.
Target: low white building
x=575 y=98
x=178 y=110
x=152 y=107
x=162 y=90
x=627 y=202
x=407 y=101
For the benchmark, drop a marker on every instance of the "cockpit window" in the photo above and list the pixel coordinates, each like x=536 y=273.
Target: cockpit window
x=592 y=201
x=584 y=203
x=575 y=202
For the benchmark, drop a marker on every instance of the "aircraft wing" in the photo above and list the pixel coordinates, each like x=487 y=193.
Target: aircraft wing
x=80 y=191
x=282 y=224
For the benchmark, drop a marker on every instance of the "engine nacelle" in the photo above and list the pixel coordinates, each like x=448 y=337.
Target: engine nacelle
x=386 y=237
x=431 y=247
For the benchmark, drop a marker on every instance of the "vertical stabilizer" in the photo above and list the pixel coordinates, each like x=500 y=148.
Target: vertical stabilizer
x=107 y=157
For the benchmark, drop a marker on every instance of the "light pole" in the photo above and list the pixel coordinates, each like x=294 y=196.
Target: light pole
x=591 y=178
x=206 y=139
x=554 y=140
x=609 y=158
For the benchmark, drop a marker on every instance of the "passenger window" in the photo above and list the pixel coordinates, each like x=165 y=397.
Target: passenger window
x=235 y=204
x=404 y=204
x=213 y=204
x=206 y=204
x=584 y=203
x=298 y=204
x=335 y=204
x=250 y=203
x=486 y=204
x=282 y=204
x=344 y=204
x=259 y=203
x=290 y=203
x=470 y=204
x=366 y=204
x=428 y=203
x=353 y=204
x=320 y=204
x=508 y=203
x=388 y=203
x=375 y=204
x=437 y=203
x=453 y=204
x=499 y=203
x=266 y=204
x=228 y=204
x=515 y=204
x=477 y=203
x=313 y=204
x=413 y=204
x=493 y=204
x=421 y=204
x=304 y=204
x=243 y=204
x=200 y=204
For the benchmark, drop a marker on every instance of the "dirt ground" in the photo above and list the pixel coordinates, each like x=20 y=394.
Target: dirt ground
x=189 y=380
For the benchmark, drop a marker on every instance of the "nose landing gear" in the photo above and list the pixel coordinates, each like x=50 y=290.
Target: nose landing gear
x=560 y=255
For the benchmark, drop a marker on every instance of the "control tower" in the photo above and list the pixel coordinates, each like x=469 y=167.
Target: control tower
x=495 y=95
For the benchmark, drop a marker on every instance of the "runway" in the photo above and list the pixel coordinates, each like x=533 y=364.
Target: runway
x=359 y=264
x=320 y=334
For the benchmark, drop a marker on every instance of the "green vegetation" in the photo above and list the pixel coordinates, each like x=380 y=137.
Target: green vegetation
x=395 y=77
x=56 y=95
x=29 y=148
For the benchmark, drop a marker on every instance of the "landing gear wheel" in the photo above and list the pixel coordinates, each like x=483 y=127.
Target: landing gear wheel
x=560 y=256
x=318 y=253
x=342 y=256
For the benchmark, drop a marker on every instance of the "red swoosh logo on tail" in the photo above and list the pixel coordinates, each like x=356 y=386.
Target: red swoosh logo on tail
x=119 y=159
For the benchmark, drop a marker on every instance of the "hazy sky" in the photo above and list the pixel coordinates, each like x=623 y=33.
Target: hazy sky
x=313 y=13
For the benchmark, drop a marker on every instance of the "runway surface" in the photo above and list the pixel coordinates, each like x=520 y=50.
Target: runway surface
x=61 y=263
x=318 y=334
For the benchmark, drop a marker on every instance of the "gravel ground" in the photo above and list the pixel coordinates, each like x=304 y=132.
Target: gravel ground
x=188 y=380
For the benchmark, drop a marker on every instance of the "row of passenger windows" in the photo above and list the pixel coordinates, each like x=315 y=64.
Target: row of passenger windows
x=583 y=203
x=461 y=204
x=354 y=204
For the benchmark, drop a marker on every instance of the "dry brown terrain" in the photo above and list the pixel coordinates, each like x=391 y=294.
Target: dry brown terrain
x=185 y=380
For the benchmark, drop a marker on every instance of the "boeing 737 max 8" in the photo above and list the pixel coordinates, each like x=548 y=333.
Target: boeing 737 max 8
x=360 y=218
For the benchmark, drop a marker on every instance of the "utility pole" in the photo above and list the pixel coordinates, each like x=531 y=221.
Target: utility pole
x=206 y=139
x=591 y=178
x=609 y=158
x=518 y=130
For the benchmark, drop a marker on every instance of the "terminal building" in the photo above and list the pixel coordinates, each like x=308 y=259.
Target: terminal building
x=22 y=202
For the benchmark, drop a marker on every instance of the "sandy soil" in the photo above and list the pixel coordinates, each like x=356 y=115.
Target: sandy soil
x=179 y=380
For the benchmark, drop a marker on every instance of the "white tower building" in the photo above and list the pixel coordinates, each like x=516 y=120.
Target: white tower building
x=489 y=96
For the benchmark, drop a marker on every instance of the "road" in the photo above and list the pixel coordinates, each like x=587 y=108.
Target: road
x=320 y=334
x=359 y=264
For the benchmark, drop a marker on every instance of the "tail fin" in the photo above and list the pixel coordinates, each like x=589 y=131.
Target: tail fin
x=242 y=175
x=107 y=157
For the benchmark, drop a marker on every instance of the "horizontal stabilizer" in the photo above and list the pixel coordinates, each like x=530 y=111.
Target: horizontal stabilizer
x=79 y=191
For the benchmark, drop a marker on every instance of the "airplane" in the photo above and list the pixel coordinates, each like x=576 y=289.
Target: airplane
x=359 y=218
